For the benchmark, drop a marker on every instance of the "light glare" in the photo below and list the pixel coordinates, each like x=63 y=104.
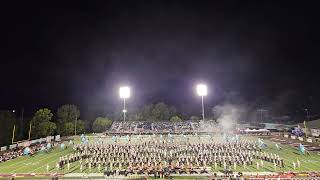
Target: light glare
x=202 y=89
x=124 y=92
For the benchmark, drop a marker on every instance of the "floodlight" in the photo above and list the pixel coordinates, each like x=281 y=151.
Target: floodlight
x=202 y=89
x=124 y=92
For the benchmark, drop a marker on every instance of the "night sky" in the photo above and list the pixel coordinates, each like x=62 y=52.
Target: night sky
x=80 y=53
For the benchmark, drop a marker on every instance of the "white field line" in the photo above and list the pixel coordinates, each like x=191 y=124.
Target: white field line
x=300 y=167
x=24 y=166
x=293 y=169
x=291 y=148
x=315 y=164
x=23 y=160
x=37 y=161
x=18 y=162
x=34 y=170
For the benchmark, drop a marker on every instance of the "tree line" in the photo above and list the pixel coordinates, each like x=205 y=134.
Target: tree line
x=65 y=122
x=152 y=112
x=46 y=122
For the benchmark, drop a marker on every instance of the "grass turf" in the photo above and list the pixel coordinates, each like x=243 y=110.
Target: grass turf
x=38 y=162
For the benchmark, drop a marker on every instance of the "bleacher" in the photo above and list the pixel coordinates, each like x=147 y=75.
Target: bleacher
x=146 y=127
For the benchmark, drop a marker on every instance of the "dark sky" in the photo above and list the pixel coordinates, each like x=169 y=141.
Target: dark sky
x=80 y=53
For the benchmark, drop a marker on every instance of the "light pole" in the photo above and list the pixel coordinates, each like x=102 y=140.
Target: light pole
x=307 y=114
x=202 y=91
x=75 y=126
x=14 y=128
x=305 y=121
x=261 y=113
x=124 y=93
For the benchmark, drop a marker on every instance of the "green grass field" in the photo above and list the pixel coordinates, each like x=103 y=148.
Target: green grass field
x=38 y=162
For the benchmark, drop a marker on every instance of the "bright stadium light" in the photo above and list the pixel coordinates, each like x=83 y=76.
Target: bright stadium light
x=124 y=93
x=202 y=91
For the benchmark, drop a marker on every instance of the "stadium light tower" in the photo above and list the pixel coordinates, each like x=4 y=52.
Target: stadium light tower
x=124 y=93
x=202 y=91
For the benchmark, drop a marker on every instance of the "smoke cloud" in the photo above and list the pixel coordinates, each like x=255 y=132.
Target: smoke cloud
x=228 y=115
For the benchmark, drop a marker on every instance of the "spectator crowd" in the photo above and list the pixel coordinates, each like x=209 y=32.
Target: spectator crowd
x=162 y=127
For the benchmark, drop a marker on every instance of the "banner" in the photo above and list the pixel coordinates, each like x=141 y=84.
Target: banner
x=26 y=144
x=315 y=132
x=3 y=148
x=48 y=139
x=57 y=138
x=309 y=140
x=12 y=146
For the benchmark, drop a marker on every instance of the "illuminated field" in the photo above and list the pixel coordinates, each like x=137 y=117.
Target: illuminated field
x=38 y=162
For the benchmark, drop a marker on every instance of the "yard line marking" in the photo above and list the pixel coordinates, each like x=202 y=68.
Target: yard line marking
x=38 y=161
x=58 y=154
x=47 y=163
x=25 y=166
x=29 y=160
x=315 y=164
x=18 y=162
x=289 y=161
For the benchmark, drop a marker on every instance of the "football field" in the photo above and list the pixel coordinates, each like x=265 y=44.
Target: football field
x=38 y=162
